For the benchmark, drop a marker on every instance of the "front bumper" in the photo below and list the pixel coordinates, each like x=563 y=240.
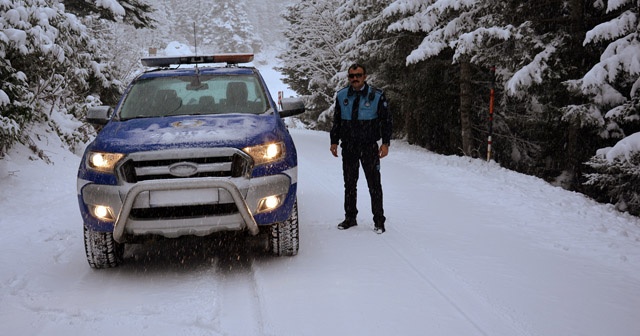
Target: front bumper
x=125 y=200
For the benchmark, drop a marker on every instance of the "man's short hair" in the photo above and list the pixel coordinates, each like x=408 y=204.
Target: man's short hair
x=355 y=66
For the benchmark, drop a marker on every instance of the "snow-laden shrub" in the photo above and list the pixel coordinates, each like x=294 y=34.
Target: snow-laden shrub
x=617 y=173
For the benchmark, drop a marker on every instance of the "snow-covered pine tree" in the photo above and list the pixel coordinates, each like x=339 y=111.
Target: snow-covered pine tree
x=463 y=29
x=222 y=26
x=312 y=59
x=52 y=69
x=407 y=87
x=613 y=90
x=367 y=41
x=535 y=47
x=579 y=124
x=131 y=12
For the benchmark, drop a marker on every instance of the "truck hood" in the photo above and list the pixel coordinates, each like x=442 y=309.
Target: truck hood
x=144 y=134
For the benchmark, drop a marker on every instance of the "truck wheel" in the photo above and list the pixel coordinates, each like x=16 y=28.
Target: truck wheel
x=284 y=235
x=102 y=250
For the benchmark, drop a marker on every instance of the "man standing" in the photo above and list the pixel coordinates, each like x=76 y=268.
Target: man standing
x=361 y=117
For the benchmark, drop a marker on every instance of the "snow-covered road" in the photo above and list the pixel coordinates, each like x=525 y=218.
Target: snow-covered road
x=471 y=249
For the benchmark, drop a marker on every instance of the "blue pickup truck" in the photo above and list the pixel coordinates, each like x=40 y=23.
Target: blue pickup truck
x=195 y=146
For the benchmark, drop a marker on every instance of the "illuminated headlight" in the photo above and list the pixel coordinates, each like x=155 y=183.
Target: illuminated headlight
x=103 y=162
x=268 y=153
x=102 y=212
x=269 y=203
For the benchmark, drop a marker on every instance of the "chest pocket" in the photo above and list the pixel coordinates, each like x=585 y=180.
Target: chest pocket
x=367 y=110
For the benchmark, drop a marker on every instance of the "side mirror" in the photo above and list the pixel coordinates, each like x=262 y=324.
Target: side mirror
x=291 y=107
x=99 y=115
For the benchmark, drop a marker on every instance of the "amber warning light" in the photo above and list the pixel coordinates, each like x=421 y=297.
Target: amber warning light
x=165 y=61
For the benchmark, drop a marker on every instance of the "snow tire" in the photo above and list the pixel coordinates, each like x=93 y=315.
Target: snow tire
x=285 y=235
x=102 y=250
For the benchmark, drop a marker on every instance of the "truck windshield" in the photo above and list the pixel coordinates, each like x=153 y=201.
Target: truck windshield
x=189 y=95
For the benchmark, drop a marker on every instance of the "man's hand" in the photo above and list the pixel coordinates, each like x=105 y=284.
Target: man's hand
x=384 y=150
x=334 y=149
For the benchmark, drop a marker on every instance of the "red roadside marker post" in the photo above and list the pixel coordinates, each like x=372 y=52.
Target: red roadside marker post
x=491 y=99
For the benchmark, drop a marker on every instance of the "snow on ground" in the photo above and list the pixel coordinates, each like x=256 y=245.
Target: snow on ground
x=471 y=249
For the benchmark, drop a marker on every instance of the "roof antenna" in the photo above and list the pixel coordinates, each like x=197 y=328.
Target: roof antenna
x=195 y=38
x=195 y=43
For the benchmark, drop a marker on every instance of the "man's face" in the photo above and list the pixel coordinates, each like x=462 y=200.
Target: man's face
x=357 y=78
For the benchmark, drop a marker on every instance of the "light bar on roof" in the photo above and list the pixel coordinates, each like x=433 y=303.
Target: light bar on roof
x=165 y=61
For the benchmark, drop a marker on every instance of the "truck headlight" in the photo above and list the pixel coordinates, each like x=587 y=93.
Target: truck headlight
x=268 y=153
x=103 y=162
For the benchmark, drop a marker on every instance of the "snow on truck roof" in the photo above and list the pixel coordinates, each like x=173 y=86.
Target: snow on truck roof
x=165 y=61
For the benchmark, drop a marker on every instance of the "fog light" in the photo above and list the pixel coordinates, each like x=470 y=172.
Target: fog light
x=103 y=212
x=269 y=203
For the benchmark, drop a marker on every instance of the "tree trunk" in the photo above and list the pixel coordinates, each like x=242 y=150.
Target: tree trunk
x=465 y=108
x=573 y=131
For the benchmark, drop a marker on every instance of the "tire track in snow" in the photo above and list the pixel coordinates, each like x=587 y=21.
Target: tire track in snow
x=471 y=306
x=228 y=295
x=240 y=308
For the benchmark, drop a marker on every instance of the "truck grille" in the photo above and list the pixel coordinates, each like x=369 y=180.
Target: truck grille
x=160 y=165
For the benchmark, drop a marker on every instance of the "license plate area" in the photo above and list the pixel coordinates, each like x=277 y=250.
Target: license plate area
x=164 y=198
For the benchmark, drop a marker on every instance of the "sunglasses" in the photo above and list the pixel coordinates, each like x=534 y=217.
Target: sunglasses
x=356 y=75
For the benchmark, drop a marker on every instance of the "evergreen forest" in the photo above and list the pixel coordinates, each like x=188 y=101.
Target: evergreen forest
x=554 y=84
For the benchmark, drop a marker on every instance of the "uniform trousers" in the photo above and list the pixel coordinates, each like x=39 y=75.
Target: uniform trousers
x=367 y=155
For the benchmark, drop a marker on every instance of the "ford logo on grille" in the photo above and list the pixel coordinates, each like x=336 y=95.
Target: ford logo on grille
x=183 y=169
